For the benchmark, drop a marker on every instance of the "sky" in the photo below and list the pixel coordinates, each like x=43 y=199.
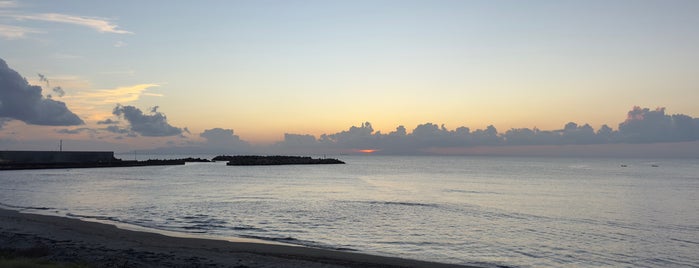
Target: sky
x=148 y=74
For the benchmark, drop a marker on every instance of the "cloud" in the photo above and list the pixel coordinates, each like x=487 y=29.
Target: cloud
x=107 y=121
x=120 y=72
x=355 y=136
x=76 y=131
x=120 y=44
x=99 y=24
x=216 y=141
x=643 y=125
x=149 y=125
x=15 y=32
x=8 y=4
x=222 y=138
x=43 y=78
x=59 y=91
x=97 y=104
x=66 y=81
x=3 y=121
x=117 y=95
x=24 y=102
x=65 y=56
x=219 y=136
x=118 y=130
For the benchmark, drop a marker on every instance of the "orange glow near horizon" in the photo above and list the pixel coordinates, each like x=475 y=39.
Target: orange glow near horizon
x=366 y=151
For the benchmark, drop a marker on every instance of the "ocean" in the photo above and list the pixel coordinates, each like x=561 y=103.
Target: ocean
x=487 y=211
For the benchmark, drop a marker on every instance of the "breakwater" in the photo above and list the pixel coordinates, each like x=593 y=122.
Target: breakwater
x=257 y=160
x=18 y=160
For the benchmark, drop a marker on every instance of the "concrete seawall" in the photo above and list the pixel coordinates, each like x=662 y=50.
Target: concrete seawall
x=16 y=160
x=46 y=157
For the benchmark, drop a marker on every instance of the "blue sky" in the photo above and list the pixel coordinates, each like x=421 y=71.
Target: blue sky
x=265 y=68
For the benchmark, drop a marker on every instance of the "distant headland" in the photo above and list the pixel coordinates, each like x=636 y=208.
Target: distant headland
x=257 y=160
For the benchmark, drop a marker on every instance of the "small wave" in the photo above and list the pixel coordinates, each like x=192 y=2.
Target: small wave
x=202 y=222
x=24 y=207
x=398 y=203
x=289 y=240
x=102 y=218
x=295 y=241
x=418 y=244
x=210 y=222
x=684 y=241
x=197 y=216
x=580 y=166
x=489 y=265
x=467 y=191
x=247 y=228
x=195 y=229
x=132 y=179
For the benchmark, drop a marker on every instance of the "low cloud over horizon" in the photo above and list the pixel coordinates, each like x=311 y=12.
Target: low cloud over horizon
x=642 y=126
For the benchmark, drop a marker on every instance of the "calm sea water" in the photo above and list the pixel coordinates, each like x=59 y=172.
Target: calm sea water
x=492 y=211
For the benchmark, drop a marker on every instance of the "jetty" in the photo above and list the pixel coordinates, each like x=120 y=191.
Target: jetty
x=18 y=160
x=258 y=160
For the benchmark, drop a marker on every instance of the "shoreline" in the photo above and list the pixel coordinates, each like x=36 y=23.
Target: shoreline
x=63 y=239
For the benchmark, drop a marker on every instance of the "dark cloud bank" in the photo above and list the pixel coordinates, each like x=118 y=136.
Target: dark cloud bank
x=642 y=126
x=645 y=131
x=24 y=102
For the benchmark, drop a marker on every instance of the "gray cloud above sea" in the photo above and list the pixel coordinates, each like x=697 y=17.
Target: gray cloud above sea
x=150 y=125
x=219 y=137
x=24 y=102
x=642 y=125
x=216 y=141
x=107 y=121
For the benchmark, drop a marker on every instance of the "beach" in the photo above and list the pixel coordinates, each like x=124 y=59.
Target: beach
x=62 y=239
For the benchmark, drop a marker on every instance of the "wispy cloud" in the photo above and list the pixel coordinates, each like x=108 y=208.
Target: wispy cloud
x=97 y=104
x=120 y=44
x=119 y=72
x=71 y=82
x=65 y=56
x=15 y=32
x=8 y=4
x=118 y=95
x=99 y=24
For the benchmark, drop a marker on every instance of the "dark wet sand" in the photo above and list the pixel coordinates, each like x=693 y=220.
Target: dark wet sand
x=102 y=245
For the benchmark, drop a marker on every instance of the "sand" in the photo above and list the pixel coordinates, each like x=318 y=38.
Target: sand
x=103 y=245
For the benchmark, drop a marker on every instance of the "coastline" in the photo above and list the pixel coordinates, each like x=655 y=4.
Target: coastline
x=64 y=239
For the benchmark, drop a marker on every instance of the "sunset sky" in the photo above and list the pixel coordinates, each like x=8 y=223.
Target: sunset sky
x=265 y=68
